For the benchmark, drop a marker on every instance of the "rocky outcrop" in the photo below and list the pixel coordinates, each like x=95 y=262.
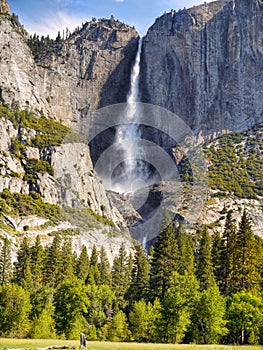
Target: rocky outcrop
x=4 y=8
x=89 y=70
x=70 y=78
x=205 y=64
x=74 y=182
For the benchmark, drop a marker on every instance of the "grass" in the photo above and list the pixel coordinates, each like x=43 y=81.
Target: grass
x=34 y=343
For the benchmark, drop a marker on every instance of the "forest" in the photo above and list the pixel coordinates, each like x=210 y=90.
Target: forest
x=189 y=288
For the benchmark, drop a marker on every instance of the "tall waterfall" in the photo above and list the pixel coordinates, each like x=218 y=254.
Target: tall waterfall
x=134 y=171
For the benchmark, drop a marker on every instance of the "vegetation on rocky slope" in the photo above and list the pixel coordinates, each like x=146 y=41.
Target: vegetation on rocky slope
x=236 y=164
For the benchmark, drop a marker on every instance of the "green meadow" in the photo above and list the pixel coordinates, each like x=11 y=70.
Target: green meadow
x=34 y=343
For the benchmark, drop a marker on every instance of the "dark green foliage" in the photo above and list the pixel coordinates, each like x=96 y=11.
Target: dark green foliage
x=32 y=204
x=5 y=262
x=186 y=251
x=104 y=267
x=37 y=259
x=165 y=260
x=22 y=271
x=82 y=266
x=205 y=270
x=53 y=263
x=94 y=273
x=140 y=275
x=120 y=276
x=246 y=258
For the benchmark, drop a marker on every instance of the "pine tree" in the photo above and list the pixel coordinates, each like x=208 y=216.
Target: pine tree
x=164 y=262
x=205 y=272
x=120 y=276
x=68 y=259
x=228 y=259
x=22 y=271
x=140 y=275
x=37 y=263
x=94 y=273
x=217 y=250
x=248 y=273
x=5 y=262
x=104 y=268
x=53 y=263
x=186 y=251
x=82 y=267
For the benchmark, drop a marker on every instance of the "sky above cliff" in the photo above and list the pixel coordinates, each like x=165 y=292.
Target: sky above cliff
x=50 y=16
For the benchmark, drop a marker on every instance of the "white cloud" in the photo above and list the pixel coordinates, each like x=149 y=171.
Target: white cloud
x=50 y=24
x=119 y=0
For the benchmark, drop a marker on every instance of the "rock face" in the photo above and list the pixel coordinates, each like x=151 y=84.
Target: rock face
x=4 y=8
x=205 y=64
x=72 y=78
x=74 y=183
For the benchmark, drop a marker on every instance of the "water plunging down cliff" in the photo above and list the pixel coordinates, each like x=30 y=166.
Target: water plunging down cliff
x=132 y=173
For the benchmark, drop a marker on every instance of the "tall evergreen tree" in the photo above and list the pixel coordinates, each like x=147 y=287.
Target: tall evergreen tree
x=228 y=279
x=120 y=276
x=94 y=273
x=5 y=262
x=140 y=275
x=186 y=251
x=247 y=270
x=217 y=248
x=82 y=267
x=68 y=259
x=104 y=268
x=205 y=271
x=22 y=271
x=53 y=263
x=37 y=263
x=165 y=260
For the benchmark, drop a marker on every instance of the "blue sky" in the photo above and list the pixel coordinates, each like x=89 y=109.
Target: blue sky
x=48 y=16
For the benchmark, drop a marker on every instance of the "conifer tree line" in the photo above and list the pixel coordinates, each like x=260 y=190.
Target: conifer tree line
x=199 y=288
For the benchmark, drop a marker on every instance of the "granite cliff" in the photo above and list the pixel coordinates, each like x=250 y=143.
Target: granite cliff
x=205 y=64
x=71 y=78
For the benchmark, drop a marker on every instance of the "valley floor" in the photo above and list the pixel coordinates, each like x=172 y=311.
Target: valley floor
x=34 y=343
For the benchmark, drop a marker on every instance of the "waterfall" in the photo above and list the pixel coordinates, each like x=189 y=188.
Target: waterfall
x=134 y=171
